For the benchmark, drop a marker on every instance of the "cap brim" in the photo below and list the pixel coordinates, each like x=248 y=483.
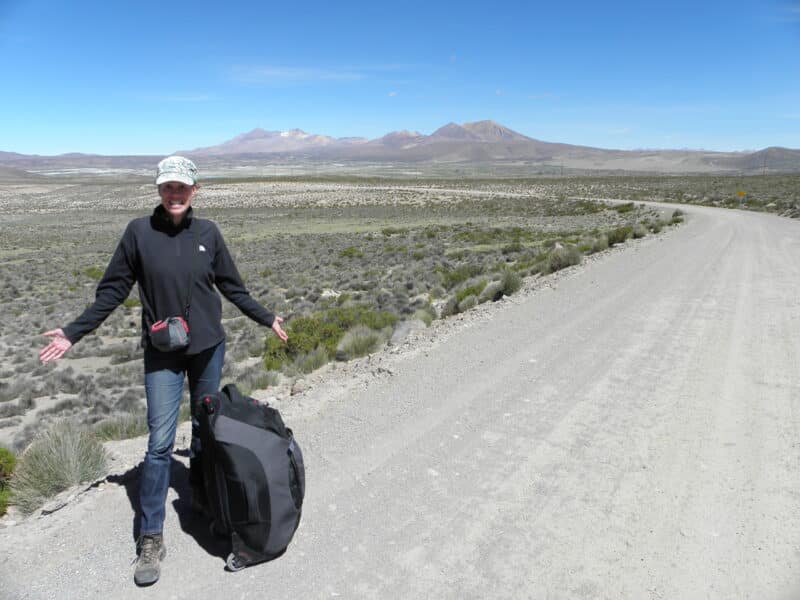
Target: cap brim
x=167 y=177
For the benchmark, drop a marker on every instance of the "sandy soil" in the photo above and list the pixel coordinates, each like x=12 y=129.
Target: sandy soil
x=625 y=429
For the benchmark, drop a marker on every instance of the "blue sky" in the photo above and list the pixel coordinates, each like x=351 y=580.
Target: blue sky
x=146 y=78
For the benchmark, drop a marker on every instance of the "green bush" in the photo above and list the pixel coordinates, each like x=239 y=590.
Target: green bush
x=322 y=329
x=515 y=246
x=131 y=302
x=351 y=252
x=471 y=290
x=7 y=464
x=5 y=500
x=451 y=278
x=492 y=292
x=122 y=427
x=387 y=231
x=94 y=272
x=600 y=243
x=58 y=458
x=450 y=307
x=561 y=258
x=619 y=235
x=426 y=315
x=510 y=283
x=625 y=208
x=467 y=303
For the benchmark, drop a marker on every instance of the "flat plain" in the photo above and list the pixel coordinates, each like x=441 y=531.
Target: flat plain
x=402 y=249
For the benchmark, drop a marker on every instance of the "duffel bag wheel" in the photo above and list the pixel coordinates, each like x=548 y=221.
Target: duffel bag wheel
x=233 y=563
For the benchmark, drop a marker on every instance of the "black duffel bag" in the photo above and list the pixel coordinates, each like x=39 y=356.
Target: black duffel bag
x=253 y=474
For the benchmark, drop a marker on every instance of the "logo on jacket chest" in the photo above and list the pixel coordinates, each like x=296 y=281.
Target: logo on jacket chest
x=201 y=248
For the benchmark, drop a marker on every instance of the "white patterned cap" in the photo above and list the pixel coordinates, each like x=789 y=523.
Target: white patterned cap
x=176 y=168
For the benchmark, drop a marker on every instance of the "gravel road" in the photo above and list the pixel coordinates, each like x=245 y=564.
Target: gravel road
x=627 y=430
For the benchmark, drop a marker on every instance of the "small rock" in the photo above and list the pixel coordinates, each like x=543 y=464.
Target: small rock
x=404 y=328
x=299 y=386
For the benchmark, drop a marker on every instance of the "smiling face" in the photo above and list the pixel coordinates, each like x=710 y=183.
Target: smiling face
x=176 y=198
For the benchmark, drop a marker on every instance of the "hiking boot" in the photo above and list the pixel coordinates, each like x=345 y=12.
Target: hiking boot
x=151 y=552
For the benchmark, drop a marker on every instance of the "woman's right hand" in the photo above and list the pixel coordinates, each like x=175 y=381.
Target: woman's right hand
x=57 y=346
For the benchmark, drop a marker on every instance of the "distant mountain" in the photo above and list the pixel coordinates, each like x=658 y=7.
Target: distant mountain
x=468 y=143
x=260 y=141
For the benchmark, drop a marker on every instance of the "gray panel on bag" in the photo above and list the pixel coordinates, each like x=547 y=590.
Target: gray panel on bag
x=265 y=444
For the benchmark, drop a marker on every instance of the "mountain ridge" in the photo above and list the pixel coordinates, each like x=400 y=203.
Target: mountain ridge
x=477 y=142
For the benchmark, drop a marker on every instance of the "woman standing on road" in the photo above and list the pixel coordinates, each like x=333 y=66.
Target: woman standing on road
x=176 y=259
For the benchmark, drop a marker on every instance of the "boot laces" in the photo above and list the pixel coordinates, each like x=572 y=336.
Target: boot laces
x=149 y=549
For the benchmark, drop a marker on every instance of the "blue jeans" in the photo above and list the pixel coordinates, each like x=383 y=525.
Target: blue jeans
x=163 y=381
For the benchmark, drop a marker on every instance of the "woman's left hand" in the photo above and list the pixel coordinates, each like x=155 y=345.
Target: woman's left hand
x=276 y=327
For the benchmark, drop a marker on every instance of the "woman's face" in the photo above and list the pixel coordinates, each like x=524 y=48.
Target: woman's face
x=176 y=198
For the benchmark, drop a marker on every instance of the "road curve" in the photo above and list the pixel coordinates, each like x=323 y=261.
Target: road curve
x=631 y=432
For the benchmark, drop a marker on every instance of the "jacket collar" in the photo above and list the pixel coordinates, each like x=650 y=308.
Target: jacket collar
x=163 y=222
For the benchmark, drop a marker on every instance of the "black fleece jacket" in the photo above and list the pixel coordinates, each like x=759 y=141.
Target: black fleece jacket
x=163 y=259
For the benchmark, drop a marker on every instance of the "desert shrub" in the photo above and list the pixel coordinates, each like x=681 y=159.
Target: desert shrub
x=515 y=246
x=122 y=427
x=325 y=329
x=387 y=231
x=510 y=282
x=600 y=243
x=450 y=307
x=311 y=361
x=639 y=231
x=426 y=314
x=5 y=499
x=7 y=463
x=467 y=303
x=471 y=290
x=10 y=409
x=94 y=273
x=625 y=208
x=351 y=252
x=563 y=257
x=131 y=302
x=451 y=278
x=618 y=235
x=358 y=341
x=256 y=378
x=58 y=458
x=13 y=390
x=492 y=292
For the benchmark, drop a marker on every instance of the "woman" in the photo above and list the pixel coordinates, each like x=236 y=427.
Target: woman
x=176 y=259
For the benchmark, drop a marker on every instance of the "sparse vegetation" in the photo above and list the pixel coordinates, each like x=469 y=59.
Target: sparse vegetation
x=122 y=427
x=359 y=341
x=416 y=249
x=59 y=457
x=7 y=464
